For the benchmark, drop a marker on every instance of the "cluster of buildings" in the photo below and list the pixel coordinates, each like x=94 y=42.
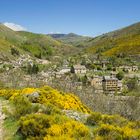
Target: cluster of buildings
x=106 y=84
x=101 y=84
x=77 y=69
x=132 y=68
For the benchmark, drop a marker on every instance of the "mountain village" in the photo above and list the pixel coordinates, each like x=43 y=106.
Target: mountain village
x=101 y=78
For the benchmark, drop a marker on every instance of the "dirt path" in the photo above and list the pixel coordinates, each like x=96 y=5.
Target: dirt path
x=2 y=117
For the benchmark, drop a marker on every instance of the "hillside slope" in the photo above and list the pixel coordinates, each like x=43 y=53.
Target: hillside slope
x=10 y=35
x=115 y=43
x=36 y=45
x=8 y=39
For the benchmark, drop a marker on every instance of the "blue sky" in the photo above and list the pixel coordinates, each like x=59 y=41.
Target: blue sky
x=86 y=17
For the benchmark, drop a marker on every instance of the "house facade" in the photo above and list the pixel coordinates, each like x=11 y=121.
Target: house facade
x=96 y=82
x=133 y=68
x=79 y=69
x=65 y=70
x=111 y=85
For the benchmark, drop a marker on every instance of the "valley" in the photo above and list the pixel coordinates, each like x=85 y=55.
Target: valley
x=66 y=79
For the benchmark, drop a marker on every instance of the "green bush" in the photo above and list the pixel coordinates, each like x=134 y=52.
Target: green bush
x=94 y=118
x=109 y=67
x=109 y=132
x=34 y=126
x=132 y=84
x=14 y=51
x=114 y=120
x=48 y=109
x=22 y=106
x=32 y=69
x=99 y=68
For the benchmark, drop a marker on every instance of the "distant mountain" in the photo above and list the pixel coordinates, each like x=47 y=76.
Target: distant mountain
x=56 y=36
x=125 y=41
x=71 y=38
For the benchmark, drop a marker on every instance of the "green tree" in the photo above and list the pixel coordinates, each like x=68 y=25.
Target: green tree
x=99 y=68
x=14 y=51
x=109 y=67
x=120 y=75
x=38 y=55
x=35 y=69
x=29 y=69
x=32 y=69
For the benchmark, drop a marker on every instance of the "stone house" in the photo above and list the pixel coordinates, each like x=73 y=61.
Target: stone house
x=111 y=84
x=135 y=68
x=65 y=70
x=78 y=69
x=104 y=63
x=96 y=82
x=113 y=74
x=43 y=62
x=127 y=68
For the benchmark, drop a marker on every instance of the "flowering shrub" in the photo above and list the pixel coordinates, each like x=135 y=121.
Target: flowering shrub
x=28 y=90
x=43 y=118
x=113 y=127
x=97 y=118
x=34 y=125
x=41 y=125
x=111 y=132
x=62 y=100
x=114 y=120
x=49 y=95
x=69 y=128
x=55 y=130
x=94 y=118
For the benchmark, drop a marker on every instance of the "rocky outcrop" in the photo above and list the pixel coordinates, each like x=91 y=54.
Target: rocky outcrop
x=78 y=116
x=33 y=96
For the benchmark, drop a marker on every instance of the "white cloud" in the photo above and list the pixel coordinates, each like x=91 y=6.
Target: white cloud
x=14 y=26
x=55 y=33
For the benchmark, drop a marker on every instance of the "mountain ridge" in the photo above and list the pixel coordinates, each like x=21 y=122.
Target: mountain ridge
x=115 y=42
x=70 y=38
